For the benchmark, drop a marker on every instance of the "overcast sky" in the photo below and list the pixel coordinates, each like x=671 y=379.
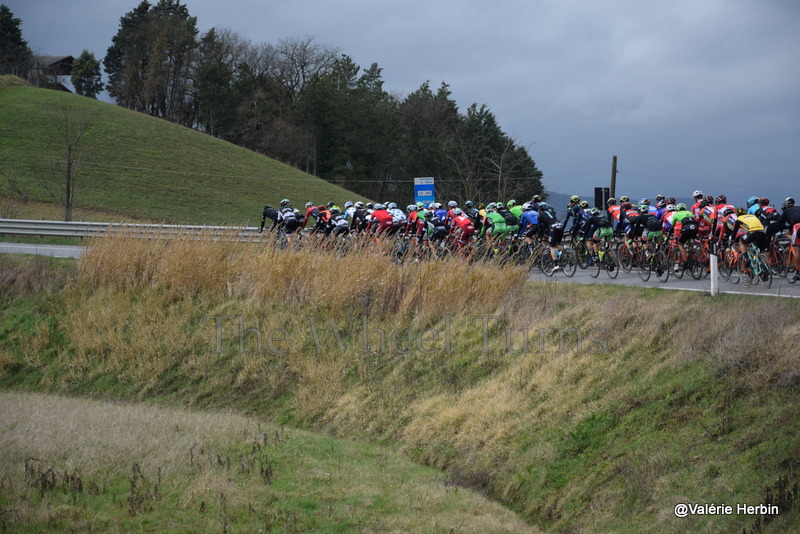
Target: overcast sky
x=688 y=93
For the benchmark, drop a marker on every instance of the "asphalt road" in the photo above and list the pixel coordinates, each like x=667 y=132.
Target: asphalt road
x=56 y=251
x=780 y=287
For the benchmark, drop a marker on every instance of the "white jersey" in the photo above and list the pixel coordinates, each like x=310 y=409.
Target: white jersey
x=398 y=215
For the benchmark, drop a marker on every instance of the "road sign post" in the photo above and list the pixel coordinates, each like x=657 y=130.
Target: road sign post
x=424 y=190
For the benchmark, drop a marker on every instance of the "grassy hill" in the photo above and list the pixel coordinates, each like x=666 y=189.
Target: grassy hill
x=136 y=166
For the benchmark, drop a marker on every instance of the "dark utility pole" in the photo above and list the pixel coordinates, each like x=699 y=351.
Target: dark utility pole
x=613 y=176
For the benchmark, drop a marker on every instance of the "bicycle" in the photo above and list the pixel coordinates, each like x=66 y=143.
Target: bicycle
x=606 y=259
x=651 y=258
x=567 y=260
x=729 y=265
x=754 y=265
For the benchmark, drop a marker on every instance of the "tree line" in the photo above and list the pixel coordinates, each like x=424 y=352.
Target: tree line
x=308 y=105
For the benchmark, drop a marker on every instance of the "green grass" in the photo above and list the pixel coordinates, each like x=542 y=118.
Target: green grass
x=71 y=464
x=134 y=166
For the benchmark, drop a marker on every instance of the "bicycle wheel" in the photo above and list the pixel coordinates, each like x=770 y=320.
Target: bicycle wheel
x=645 y=262
x=547 y=264
x=594 y=267
x=745 y=272
x=696 y=266
x=765 y=273
x=724 y=266
x=777 y=262
x=675 y=263
x=569 y=262
x=661 y=266
x=625 y=256
x=582 y=255
x=611 y=264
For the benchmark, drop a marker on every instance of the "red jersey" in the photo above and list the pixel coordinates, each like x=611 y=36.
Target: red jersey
x=384 y=219
x=464 y=223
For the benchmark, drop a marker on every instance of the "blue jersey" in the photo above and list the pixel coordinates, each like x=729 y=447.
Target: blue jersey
x=528 y=218
x=441 y=213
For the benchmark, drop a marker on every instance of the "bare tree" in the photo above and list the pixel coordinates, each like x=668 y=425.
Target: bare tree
x=62 y=179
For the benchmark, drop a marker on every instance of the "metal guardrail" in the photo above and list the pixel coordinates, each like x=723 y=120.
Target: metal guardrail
x=146 y=231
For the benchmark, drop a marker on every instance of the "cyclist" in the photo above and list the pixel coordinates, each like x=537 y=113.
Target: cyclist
x=754 y=233
x=309 y=213
x=529 y=223
x=790 y=218
x=472 y=212
x=512 y=221
x=462 y=226
x=573 y=212
x=360 y=218
x=549 y=224
x=290 y=219
x=752 y=205
x=494 y=224
x=696 y=208
x=708 y=216
x=382 y=221
x=338 y=223
x=451 y=206
x=612 y=210
x=268 y=213
x=768 y=214
x=398 y=216
x=684 y=226
x=646 y=225
x=597 y=228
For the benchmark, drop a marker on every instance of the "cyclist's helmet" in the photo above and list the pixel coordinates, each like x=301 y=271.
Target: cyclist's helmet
x=468 y=204
x=411 y=207
x=751 y=201
x=645 y=201
x=671 y=200
x=331 y=204
x=285 y=202
x=763 y=201
x=624 y=198
x=574 y=199
x=740 y=211
x=697 y=193
x=584 y=204
x=611 y=201
x=380 y=207
x=722 y=199
x=660 y=197
x=457 y=212
x=595 y=211
x=643 y=208
x=681 y=207
x=309 y=204
x=335 y=211
x=789 y=201
x=705 y=202
x=490 y=206
x=348 y=204
x=511 y=203
x=452 y=204
x=359 y=205
x=670 y=207
x=370 y=205
x=527 y=206
x=661 y=204
x=625 y=205
x=544 y=206
x=392 y=206
x=536 y=198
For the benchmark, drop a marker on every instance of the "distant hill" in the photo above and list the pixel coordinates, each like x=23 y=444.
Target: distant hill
x=137 y=166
